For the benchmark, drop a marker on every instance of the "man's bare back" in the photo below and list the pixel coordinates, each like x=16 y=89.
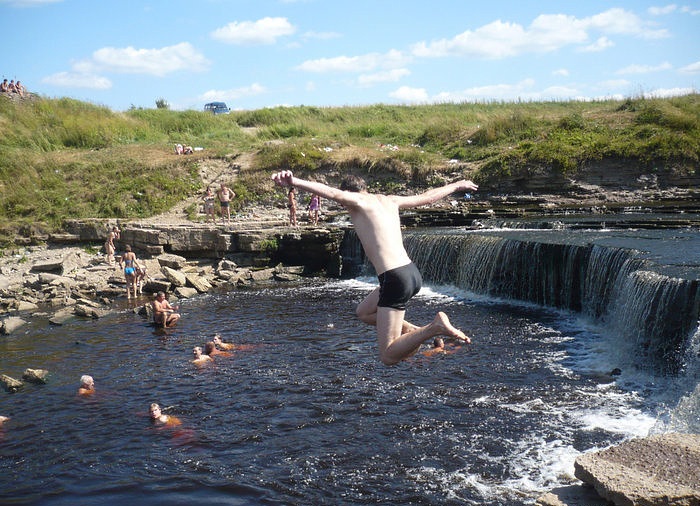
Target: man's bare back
x=378 y=226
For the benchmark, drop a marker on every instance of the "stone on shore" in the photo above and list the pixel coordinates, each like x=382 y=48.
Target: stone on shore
x=37 y=376
x=185 y=292
x=176 y=278
x=62 y=265
x=198 y=283
x=656 y=470
x=11 y=323
x=173 y=261
x=10 y=384
x=62 y=316
x=573 y=495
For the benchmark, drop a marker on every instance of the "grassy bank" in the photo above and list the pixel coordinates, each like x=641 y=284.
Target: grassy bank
x=61 y=158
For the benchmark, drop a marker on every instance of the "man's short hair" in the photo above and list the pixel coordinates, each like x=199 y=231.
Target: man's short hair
x=352 y=183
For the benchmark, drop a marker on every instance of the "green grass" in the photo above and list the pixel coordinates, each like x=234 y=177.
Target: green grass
x=62 y=158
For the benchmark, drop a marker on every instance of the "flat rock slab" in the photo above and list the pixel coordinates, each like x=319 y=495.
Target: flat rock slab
x=662 y=469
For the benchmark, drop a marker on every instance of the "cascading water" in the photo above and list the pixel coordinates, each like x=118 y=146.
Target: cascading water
x=614 y=286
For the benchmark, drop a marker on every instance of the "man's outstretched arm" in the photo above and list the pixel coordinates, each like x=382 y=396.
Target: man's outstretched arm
x=434 y=194
x=286 y=178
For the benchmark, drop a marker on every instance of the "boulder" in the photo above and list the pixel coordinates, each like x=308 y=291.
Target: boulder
x=88 y=311
x=199 y=283
x=11 y=323
x=661 y=469
x=62 y=316
x=572 y=495
x=172 y=261
x=175 y=277
x=262 y=274
x=37 y=376
x=61 y=265
x=156 y=285
x=10 y=384
x=185 y=292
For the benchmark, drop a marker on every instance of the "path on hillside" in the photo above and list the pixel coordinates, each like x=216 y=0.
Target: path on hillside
x=213 y=172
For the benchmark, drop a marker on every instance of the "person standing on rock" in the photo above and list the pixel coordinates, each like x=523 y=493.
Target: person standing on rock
x=378 y=226
x=292 y=205
x=129 y=264
x=226 y=195
x=109 y=244
x=314 y=209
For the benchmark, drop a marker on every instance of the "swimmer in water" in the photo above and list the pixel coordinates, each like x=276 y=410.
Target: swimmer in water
x=87 y=385
x=158 y=417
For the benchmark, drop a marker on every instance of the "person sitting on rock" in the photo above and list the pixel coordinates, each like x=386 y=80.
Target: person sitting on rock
x=4 y=86
x=87 y=385
x=164 y=314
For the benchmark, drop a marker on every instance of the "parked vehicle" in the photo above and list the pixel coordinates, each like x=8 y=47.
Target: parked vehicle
x=217 y=107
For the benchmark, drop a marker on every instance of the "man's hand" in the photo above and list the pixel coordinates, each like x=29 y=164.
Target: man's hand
x=284 y=178
x=467 y=186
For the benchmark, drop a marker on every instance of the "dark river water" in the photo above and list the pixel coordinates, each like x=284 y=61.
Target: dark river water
x=309 y=416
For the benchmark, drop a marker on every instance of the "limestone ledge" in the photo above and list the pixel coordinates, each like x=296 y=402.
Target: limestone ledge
x=68 y=279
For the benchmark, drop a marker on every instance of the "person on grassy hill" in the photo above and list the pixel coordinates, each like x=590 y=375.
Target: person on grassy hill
x=4 y=86
x=378 y=226
x=209 y=201
x=226 y=195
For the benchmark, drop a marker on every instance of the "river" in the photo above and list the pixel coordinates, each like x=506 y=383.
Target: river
x=308 y=415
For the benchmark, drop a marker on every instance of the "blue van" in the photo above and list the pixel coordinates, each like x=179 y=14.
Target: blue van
x=217 y=107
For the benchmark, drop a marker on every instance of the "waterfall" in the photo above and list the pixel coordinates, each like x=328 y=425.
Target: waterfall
x=613 y=286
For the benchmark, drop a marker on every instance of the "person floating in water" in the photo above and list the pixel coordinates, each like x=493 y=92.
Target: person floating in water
x=160 y=418
x=200 y=358
x=87 y=385
x=378 y=226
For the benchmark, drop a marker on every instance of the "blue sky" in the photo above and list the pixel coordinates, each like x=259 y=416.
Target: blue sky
x=264 y=53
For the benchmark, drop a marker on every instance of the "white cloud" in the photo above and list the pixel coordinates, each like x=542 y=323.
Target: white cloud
x=389 y=76
x=78 y=80
x=157 y=62
x=693 y=68
x=644 y=69
x=407 y=94
x=670 y=92
x=660 y=11
x=523 y=89
x=264 y=31
x=546 y=33
x=561 y=72
x=363 y=63
x=599 y=45
x=233 y=94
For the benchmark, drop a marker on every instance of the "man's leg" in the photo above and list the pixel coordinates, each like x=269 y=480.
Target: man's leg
x=366 y=311
x=396 y=345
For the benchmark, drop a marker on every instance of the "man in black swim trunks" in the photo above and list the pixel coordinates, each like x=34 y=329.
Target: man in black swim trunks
x=377 y=224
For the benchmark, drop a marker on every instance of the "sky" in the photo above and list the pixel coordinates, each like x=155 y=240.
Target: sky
x=253 y=54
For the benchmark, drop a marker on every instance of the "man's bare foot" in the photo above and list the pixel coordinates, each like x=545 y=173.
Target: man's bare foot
x=442 y=323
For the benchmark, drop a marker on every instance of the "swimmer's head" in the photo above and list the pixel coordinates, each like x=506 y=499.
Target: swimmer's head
x=86 y=381
x=155 y=411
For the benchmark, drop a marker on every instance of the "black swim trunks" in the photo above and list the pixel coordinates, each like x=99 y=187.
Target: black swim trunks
x=397 y=286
